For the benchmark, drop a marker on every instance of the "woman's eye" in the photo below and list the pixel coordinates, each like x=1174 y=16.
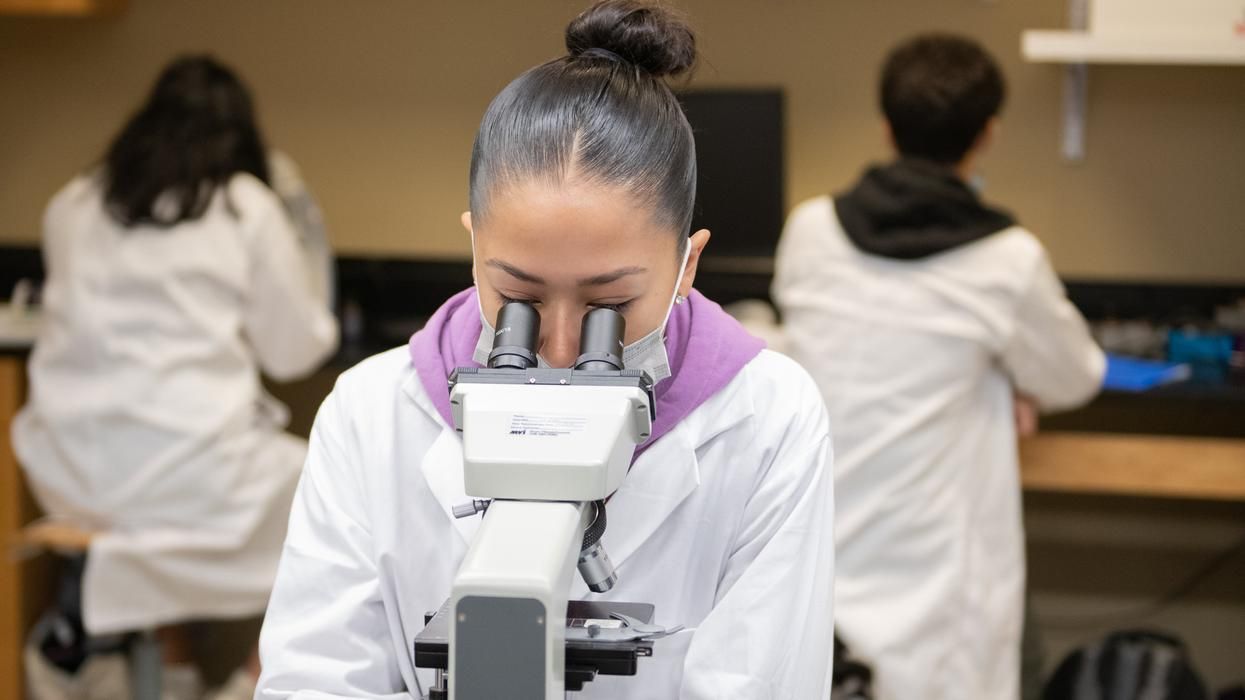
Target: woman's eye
x=620 y=307
x=506 y=300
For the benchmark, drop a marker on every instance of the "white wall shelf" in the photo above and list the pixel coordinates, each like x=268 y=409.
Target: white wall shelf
x=1139 y=32
x=1042 y=46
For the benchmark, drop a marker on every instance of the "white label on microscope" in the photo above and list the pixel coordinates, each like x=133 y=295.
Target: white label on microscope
x=603 y=624
x=546 y=425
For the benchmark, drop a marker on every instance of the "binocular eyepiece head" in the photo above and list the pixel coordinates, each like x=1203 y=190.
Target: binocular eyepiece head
x=518 y=330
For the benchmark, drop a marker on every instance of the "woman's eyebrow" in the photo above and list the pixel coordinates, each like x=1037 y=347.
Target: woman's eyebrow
x=606 y=278
x=514 y=271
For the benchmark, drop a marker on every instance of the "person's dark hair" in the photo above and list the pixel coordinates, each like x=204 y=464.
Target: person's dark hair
x=938 y=93
x=196 y=130
x=602 y=112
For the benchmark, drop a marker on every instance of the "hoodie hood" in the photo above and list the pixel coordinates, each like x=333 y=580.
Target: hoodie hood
x=913 y=209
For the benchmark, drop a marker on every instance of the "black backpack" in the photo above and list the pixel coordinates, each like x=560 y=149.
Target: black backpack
x=1128 y=665
x=852 y=679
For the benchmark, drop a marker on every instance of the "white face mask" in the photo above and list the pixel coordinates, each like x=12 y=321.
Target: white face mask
x=647 y=354
x=977 y=183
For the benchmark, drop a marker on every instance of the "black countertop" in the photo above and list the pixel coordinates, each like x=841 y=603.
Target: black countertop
x=1202 y=411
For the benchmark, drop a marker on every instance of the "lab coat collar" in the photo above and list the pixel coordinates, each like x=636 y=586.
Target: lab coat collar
x=442 y=464
x=659 y=481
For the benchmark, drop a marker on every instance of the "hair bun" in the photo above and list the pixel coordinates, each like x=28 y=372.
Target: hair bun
x=645 y=34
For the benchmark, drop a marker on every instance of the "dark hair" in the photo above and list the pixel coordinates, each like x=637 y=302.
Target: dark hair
x=938 y=93
x=196 y=130
x=602 y=111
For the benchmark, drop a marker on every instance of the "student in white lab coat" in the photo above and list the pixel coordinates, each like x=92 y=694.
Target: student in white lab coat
x=923 y=315
x=173 y=278
x=582 y=183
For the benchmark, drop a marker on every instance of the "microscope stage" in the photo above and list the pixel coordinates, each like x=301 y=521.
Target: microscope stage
x=596 y=643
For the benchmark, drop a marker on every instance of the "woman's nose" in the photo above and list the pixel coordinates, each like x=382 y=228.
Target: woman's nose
x=559 y=342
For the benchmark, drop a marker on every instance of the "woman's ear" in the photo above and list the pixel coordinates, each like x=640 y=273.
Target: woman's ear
x=466 y=220
x=696 y=244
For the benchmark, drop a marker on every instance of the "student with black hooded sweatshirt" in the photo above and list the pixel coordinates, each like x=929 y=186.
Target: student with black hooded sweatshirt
x=926 y=317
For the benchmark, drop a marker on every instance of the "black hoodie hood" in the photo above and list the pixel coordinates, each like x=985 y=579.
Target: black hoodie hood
x=912 y=209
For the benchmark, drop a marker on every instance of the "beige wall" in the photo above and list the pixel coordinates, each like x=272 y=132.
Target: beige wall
x=378 y=101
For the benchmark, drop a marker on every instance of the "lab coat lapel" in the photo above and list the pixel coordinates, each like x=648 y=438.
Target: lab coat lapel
x=667 y=474
x=442 y=464
x=661 y=479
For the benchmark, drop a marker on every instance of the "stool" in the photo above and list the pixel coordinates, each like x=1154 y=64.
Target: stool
x=68 y=540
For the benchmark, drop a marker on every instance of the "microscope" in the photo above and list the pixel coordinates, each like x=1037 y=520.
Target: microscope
x=543 y=450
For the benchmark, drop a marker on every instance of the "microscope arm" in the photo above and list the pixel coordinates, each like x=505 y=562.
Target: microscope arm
x=511 y=595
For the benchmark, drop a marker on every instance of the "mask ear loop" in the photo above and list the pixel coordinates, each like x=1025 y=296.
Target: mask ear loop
x=677 y=298
x=473 y=256
x=475 y=283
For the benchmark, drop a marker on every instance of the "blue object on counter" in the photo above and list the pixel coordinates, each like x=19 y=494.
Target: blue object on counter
x=1208 y=353
x=1133 y=374
x=1195 y=346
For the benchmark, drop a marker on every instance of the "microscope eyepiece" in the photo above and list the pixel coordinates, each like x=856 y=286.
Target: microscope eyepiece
x=514 y=340
x=601 y=340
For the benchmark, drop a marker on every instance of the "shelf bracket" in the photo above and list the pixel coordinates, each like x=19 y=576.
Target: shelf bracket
x=1075 y=91
x=1075 y=104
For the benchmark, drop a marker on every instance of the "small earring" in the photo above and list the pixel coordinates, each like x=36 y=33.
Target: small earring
x=679 y=298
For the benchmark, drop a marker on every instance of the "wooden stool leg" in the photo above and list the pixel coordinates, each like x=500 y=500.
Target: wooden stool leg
x=146 y=665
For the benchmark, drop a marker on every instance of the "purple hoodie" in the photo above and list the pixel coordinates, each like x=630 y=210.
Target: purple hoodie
x=707 y=348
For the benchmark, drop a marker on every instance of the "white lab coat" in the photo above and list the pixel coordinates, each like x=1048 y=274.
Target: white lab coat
x=147 y=420
x=724 y=524
x=917 y=361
